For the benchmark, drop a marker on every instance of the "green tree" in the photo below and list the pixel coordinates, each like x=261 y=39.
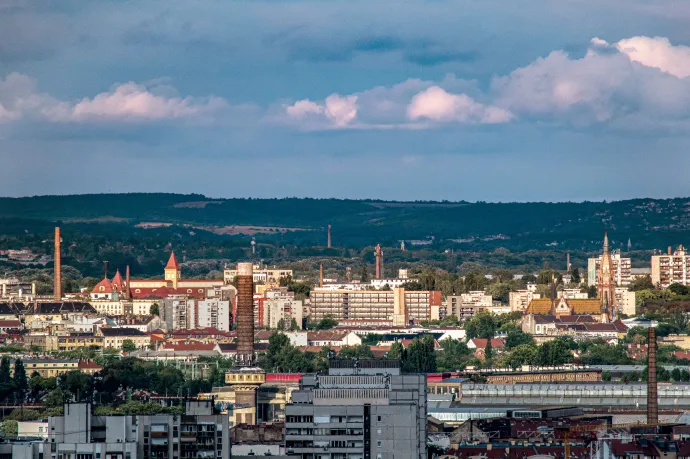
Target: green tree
x=556 y=352
x=518 y=338
x=397 y=351
x=575 y=276
x=364 y=277
x=488 y=351
x=20 y=380
x=453 y=355
x=606 y=375
x=684 y=375
x=481 y=325
x=421 y=356
x=155 y=311
x=679 y=319
x=55 y=399
x=326 y=324
x=675 y=374
x=76 y=383
x=360 y=351
x=10 y=428
x=128 y=346
x=293 y=325
x=282 y=356
x=524 y=354
x=678 y=289
x=281 y=325
x=641 y=283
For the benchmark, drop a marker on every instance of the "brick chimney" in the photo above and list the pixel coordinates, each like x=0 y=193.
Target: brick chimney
x=57 y=269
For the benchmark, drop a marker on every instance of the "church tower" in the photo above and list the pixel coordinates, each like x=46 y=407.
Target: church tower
x=606 y=284
x=172 y=271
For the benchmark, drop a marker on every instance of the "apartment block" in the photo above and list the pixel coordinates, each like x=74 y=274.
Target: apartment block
x=671 y=268
x=360 y=409
x=625 y=301
x=262 y=275
x=468 y=304
x=279 y=304
x=398 y=306
x=621 y=269
x=200 y=432
x=210 y=313
x=519 y=300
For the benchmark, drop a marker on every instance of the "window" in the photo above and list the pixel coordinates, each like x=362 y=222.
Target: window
x=378 y=418
x=378 y=443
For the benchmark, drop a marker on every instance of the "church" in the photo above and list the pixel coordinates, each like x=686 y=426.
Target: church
x=171 y=284
x=602 y=309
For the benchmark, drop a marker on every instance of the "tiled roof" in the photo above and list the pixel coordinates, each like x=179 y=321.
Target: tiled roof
x=539 y=306
x=107 y=331
x=117 y=281
x=480 y=343
x=327 y=335
x=172 y=262
x=104 y=286
x=189 y=347
x=10 y=324
x=577 y=306
x=89 y=364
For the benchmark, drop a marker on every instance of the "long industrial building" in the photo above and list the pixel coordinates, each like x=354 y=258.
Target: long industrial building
x=398 y=306
x=582 y=394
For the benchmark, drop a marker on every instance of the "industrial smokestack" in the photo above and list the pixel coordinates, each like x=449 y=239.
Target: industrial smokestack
x=652 y=400
x=57 y=270
x=128 y=291
x=670 y=250
x=105 y=270
x=320 y=275
x=379 y=262
x=329 y=236
x=348 y=274
x=245 y=314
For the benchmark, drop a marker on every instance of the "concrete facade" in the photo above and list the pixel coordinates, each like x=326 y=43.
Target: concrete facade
x=367 y=412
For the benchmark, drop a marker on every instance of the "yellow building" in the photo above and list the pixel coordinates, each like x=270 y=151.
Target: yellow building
x=564 y=307
x=73 y=342
x=115 y=337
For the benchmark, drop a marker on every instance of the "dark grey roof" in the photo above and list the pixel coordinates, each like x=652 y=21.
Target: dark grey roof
x=125 y=331
x=6 y=309
x=60 y=307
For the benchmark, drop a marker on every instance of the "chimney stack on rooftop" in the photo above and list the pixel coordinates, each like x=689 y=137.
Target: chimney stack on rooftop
x=329 y=236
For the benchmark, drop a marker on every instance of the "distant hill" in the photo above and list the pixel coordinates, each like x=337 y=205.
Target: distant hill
x=649 y=223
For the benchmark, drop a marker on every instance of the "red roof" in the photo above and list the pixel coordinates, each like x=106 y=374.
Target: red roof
x=190 y=347
x=172 y=262
x=164 y=292
x=89 y=364
x=480 y=343
x=117 y=281
x=107 y=287
x=10 y=324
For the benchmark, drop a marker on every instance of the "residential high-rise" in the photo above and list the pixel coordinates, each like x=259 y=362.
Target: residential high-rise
x=363 y=409
x=606 y=284
x=373 y=306
x=245 y=314
x=621 y=269
x=57 y=268
x=671 y=268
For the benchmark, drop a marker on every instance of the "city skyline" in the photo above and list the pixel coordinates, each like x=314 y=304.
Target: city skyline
x=427 y=100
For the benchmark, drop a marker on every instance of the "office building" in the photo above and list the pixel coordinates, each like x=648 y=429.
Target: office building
x=671 y=268
x=398 y=306
x=360 y=409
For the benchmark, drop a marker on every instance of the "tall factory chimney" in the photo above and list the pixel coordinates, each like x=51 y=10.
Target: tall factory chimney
x=57 y=269
x=379 y=262
x=652 y=400
x=128 y=291
x=320 y=275
x=245 y=314
x=329 y=236
x=348 y=274
x=568 y=266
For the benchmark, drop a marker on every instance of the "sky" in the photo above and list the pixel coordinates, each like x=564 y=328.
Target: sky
x=525 y=100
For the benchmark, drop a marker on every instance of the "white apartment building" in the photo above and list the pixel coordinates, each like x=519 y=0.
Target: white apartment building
x=671 y=268
x=468 y=304
x=174 y=312
x=280 y=304
x=398 y=306
x=210 y=312
x=621 y=269
x=262 y=274
x=625 y=300
x=519 y=300
x=572 y=294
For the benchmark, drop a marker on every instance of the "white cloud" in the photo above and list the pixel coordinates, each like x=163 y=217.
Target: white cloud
x=19 y=98
x=657 y=52
x=339 y=111
x=436 y=104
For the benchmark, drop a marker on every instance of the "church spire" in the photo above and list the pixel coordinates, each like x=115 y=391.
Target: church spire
x=606 y=241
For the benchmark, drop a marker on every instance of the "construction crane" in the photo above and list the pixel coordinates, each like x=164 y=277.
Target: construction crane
x=593 y=428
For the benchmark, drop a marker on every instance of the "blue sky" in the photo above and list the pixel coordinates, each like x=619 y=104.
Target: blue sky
x=476 y=100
